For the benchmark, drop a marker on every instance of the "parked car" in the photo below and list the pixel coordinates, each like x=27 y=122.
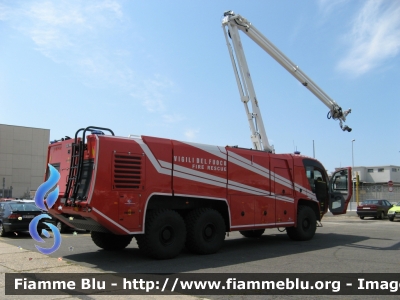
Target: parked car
x=6 y=199
x=25 y=200
x=62 y=227
x=374 y=208
x=394 y=212
x=15 y=216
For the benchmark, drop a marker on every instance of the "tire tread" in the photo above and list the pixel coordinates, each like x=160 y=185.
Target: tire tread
x=296 y=233
x=148 y=244
x=110 y=241
x=196 y=245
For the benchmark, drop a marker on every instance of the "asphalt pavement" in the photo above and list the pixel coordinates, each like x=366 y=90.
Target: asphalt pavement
x=18 y=260
x=15 y=259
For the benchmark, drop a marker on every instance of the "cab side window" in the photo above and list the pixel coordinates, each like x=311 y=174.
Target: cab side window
x=314 y=175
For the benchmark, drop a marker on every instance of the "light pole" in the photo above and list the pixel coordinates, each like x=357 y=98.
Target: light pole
x=352 y=165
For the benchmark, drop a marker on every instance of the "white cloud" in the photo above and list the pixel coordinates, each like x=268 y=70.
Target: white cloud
x=191 y=134
x=77 y=34
x=66 y=31
x=152 y=93
x=62 y=13
x=4 y=12
x=62 y=25
x=173 y=118
x=374 y=38
x=327 y=6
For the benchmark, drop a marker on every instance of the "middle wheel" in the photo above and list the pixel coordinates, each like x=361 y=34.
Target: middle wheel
x=205 y=231
x=164 y=236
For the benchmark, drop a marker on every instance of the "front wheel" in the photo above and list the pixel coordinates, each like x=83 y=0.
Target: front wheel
x=306 y=225
x=381 y=215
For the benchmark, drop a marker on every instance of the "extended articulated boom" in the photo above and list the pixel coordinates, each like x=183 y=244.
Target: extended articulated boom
x=231 y=24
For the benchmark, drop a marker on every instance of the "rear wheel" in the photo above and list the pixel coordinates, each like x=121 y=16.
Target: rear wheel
x=205 y=231
x=110 y=241
x=252 y=233
x=362 y=217
x=165 y=234
x=306 y=225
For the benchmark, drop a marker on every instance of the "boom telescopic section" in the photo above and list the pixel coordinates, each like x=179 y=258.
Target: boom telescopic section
x=231 y=24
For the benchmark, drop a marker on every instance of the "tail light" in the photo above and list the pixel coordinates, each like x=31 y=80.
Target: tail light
x=14 y=216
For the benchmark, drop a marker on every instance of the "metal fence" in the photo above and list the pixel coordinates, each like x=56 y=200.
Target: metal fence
x=378 y=191
x=374 y=191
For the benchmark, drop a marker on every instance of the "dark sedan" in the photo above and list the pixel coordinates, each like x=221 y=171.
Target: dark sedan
x=373 y=208
x=16 y=216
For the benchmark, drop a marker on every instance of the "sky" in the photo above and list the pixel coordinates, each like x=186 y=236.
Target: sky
x=162 y=68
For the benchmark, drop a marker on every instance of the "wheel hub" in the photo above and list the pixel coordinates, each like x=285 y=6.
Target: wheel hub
x=166 y=235
x=208 y=231
x=306 y=224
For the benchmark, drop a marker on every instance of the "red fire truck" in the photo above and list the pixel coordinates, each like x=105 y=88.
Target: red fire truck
x=168 y=193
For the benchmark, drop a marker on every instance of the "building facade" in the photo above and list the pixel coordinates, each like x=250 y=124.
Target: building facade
x=378 y=174
x=23 y=152
x=374 y=182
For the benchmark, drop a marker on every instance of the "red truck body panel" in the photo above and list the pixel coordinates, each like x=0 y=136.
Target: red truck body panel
x=259 y=189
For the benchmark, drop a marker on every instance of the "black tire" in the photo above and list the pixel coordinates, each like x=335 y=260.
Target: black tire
x=362 y=217
x=306 y=225
x=110 y=241
x=252 y=233
x=381 y=215
x=165 y=234
x=391 y=219
x=61 y=227
x=2 y=230
x=205 y=231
